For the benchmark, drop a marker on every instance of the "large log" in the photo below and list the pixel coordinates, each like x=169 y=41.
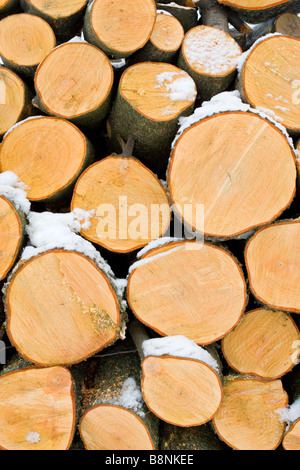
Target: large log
x=74 y=82
x=119 y=29
x=48 y=154
x=65 y=17
x=269 y=76
x=220 y=157
x=151 y=97
x=83 y=317
x=25 y=40
x=15 y=100
x=256 y=11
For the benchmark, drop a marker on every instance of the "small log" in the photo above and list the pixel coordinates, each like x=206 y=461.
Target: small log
x=15 y=100
x=219 y=172
x=188 y=288
x=114 y=415
x=262 y=344
x=186 y=14
x=124 y=194
x=83 y=317
x=9 y=7
x=269 y=82
x=209 y=56
x=164 y=42
x=286 y=23
x=75 y=82
x=291 y=439
x=151 y=97
x=249 y=415
x=182 y=391
x=213 y=14
x=12 y=233
x=25 y=41
x=272 y=258
x=119 y=29
x=37 y=408
x=65 y=17
x=48 y=154
x=257 y=11
x=193 y=438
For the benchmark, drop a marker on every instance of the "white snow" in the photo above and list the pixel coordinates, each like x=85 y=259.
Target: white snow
x=178 y=346
x=156 y=244
x=291 y=413
x=21 y=122
x=130 y=397
x=163 y=12
x=211 y=50
x=78 y=39
x=179 y=85
x=13 y=189
x=145 y=261
x=33 y=437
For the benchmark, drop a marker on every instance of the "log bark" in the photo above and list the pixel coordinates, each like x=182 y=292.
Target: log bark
x=48 y=154
x=271 y=258
x=114 y=415
x=25 y=41
x=276 y=92
x=213 y=14
x=190 y=439
x=15 y=100
x=150 y=99
x=82 y=318
x=37 y=409
x=286 y=23
x=186 y=15
x=119 y=183
x=257 y=11
x=164 y=42
x=291 y=439
x=65 y=18
x=262 y=344
x=9 y=7
x=67 y=76
x=202 y=61
x=125 y=37
x=249 y=405
x=177 y=301
x=218 y=175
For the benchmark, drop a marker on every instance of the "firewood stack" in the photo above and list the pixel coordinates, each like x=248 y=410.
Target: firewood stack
x=149 y=225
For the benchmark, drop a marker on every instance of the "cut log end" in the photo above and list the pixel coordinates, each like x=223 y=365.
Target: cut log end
x=182 y=392
x=25 y=40
x=219 y=171
x=108 y=427
x=12 y=99
x=262 y=344
x=11 y=235
x=272 y=259
x=167 y=34
x=58 y=8
x=288 y=24
x=184 y=302
x=46 y=153
x=37 y=409
x=291 y=440
x=61 y=309
x=111 y=188
x=75 y=79
x=270 y=76
x=249 y=415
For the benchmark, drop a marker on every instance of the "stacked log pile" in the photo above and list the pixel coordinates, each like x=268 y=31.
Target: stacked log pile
x=149 y=225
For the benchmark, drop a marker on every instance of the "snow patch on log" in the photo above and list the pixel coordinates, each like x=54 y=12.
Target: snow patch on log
x=156 y=244
x=181 y=88
x=291 y=413
x=178 y=346
x=33 y=437
x=14 y=189
x=130 y=397
x=142 y=262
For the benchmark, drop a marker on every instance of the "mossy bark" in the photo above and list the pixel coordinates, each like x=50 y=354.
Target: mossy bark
x=186 y=15
x=11 y=7
x=64 y=27
x=189 y=439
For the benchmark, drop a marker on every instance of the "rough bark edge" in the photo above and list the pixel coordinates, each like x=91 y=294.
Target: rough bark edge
x=260 y=15
x=11 y=7
x=186 y=15
x=189 y=439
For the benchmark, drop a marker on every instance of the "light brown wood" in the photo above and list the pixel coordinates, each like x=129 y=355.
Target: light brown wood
x=272 y=258
x=129 y=202
x=288 y=24
x=262 y=344
x=37 y=409
x=291 y=440
x=25 y=39
x=167 y=34
x=270 y=76
x=215 y=163
x=249 y=416
x=182 y=392
x=108 y=427
x=46 y=153
x=155 y=90
x=253 y=4
x=61 y=309
x=74 y=79
x=124 y=27
x=210 y=51
x=10 y=236
x=12 y=99
x=190 y=289
x=58 y=8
